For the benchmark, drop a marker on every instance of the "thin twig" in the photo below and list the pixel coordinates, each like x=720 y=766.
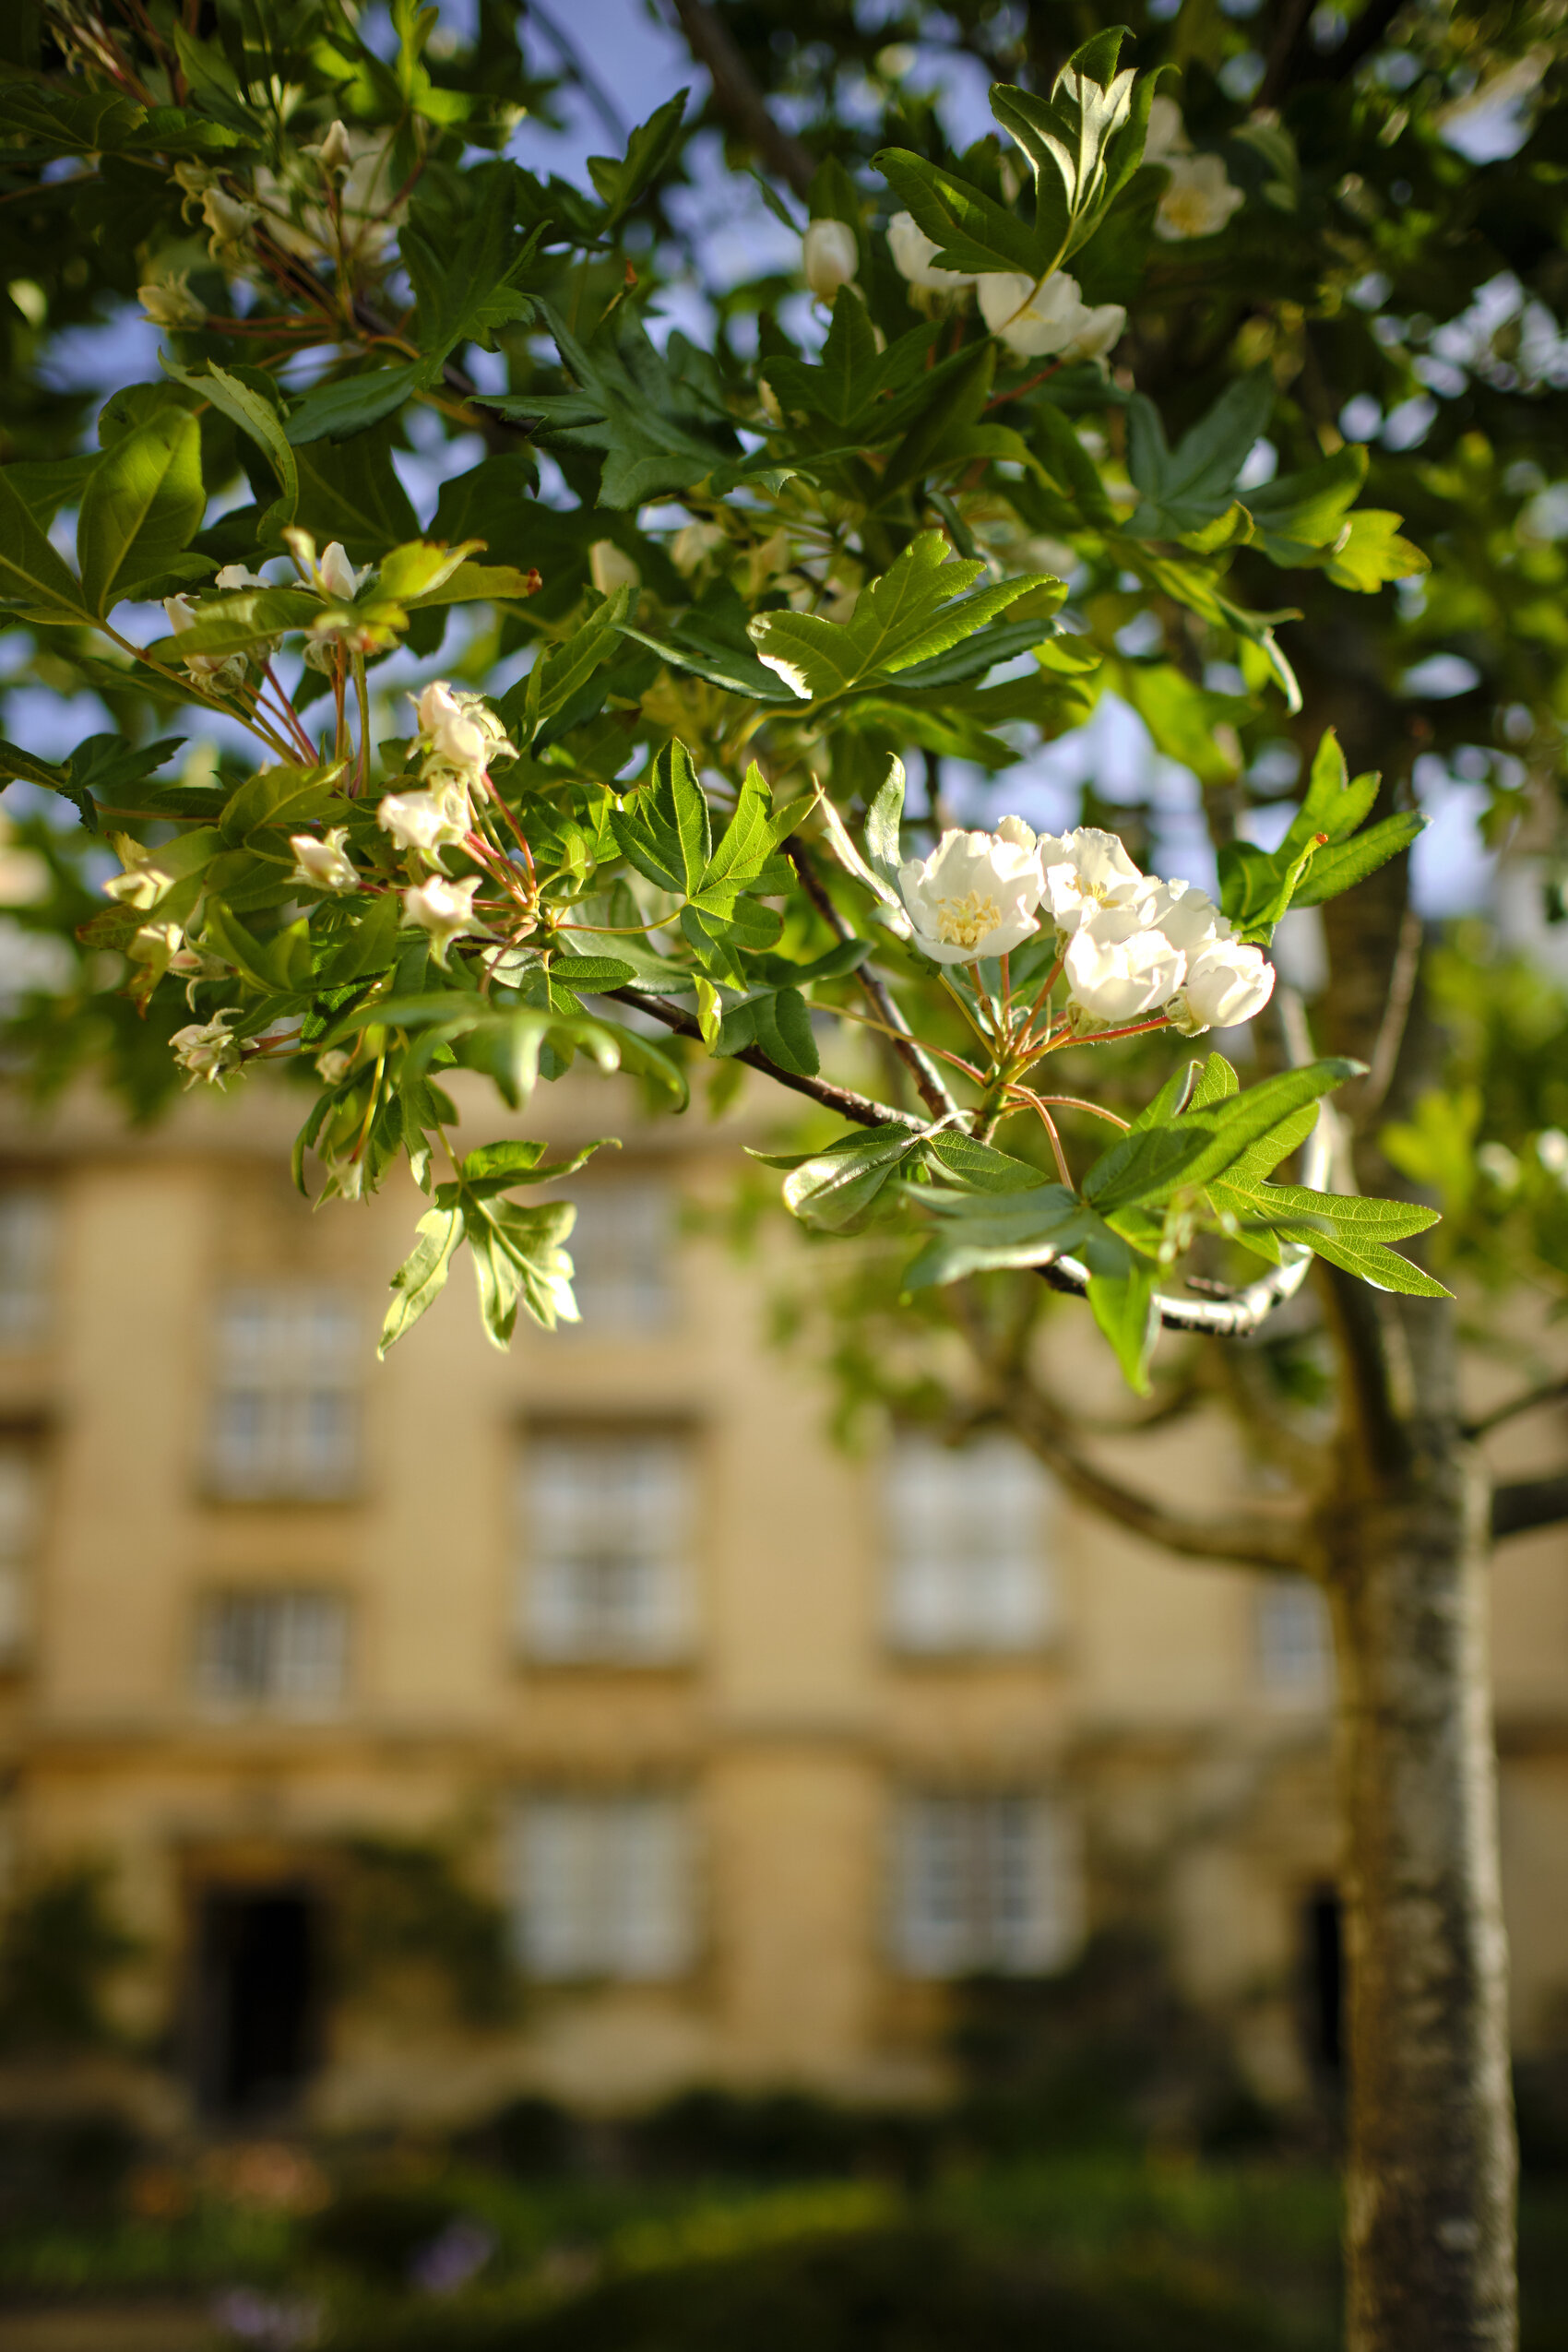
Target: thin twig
x=1550 y=1393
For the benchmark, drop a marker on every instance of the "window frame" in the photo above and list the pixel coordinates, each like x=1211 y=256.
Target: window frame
x=601 y=1820
x=540 y=1584
x=286 y=1393
x=270 y=1701
x=1046 y=1930
x=1031 y=1563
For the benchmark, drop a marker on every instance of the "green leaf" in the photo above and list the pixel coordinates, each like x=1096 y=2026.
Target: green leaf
x=1344 y=864
x=749 y=842
x=31 y=570
x=256 y=416
x=1149 y=1166
x=665 y=828
x=619 y=181
x=1193 y=486
x=659 y=427
x=235 y=624
x=349 y=492
x=1333 y=805
x=839 y=1189
x=464 y=582
x=1373 y=551
x=333 y=412
x=918 y=607
x=142 y=503
x=284 y=797
x=463 y=285
x=971 y=229
x=884 y=820
x=988 y=1232
x=1122 y=1300
x=421 y=1277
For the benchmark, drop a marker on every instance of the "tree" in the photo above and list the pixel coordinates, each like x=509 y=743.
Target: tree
x=853 y=569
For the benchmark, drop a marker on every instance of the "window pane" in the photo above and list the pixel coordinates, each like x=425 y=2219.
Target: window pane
x=21 y=1499
x=601 y=1887
x=284 y=1652
x=622 y=1247
x=607 y=1524
x=967 y=1565
x=985 y=1883
x=285 y=1411
x=27 y=1265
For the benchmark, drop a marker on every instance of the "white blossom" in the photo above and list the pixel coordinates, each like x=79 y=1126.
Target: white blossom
x=338 y=576
x=168 y=302
x=829 y=256
x=1118 y=968
x=1087 y=869
x=206 y=1049
x=610 y=568
x=463 y=733
x=1187 y=916
x=443 y=908
x=1551 y=1150
x=335 y=1064
x=1226 y=983
x=234 y=577
x=975 y=895
x=1198 y=198
x=912 y=249
x=334 y=152
x=1166 y=133
x=324 y=865
x=425 y=820
x=1037 y=319
x=231 y=219
x=1499 y=1165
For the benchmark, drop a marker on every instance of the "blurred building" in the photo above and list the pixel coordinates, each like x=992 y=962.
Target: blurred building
x=762 y=1746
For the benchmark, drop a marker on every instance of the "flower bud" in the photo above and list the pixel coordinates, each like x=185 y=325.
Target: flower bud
x=338 y=576
x=168 y=302
x=206 y=1049
x=443 y=908
x=912 y=249
x=229 y=220
x=424 y=821
x=323 y=865
x=334 y=152
x=829 y=256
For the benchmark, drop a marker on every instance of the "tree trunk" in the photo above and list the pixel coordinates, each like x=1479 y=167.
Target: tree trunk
x=1430 y=2164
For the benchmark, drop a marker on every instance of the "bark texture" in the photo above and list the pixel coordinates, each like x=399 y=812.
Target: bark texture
x=1430 y=2170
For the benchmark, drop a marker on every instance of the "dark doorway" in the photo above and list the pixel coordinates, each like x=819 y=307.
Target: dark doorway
x=1324 y=1979
x=257 y=1999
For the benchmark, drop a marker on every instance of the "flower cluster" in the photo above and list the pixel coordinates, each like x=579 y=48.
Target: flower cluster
x=459 y=736
x=1131 y=946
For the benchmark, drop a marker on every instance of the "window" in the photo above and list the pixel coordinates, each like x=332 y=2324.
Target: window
x=277 y=1653
x=20 y=1510
x=285 y=1414
x=27 y=1265
x=967 y=1565
x=602 y=1887
x=985 y=1883
x=608 y=1521
x=1295 y=1651
x=621 y=1247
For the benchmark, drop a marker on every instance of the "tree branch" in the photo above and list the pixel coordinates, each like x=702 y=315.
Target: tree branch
x=1549 y=1393
x=928 y=1082
x=858 y=1108
x=1525 y=1504
x=737 y=97
x=1241 y=1538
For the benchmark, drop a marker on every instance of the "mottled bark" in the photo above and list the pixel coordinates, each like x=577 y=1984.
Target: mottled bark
x=1404 y=1547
